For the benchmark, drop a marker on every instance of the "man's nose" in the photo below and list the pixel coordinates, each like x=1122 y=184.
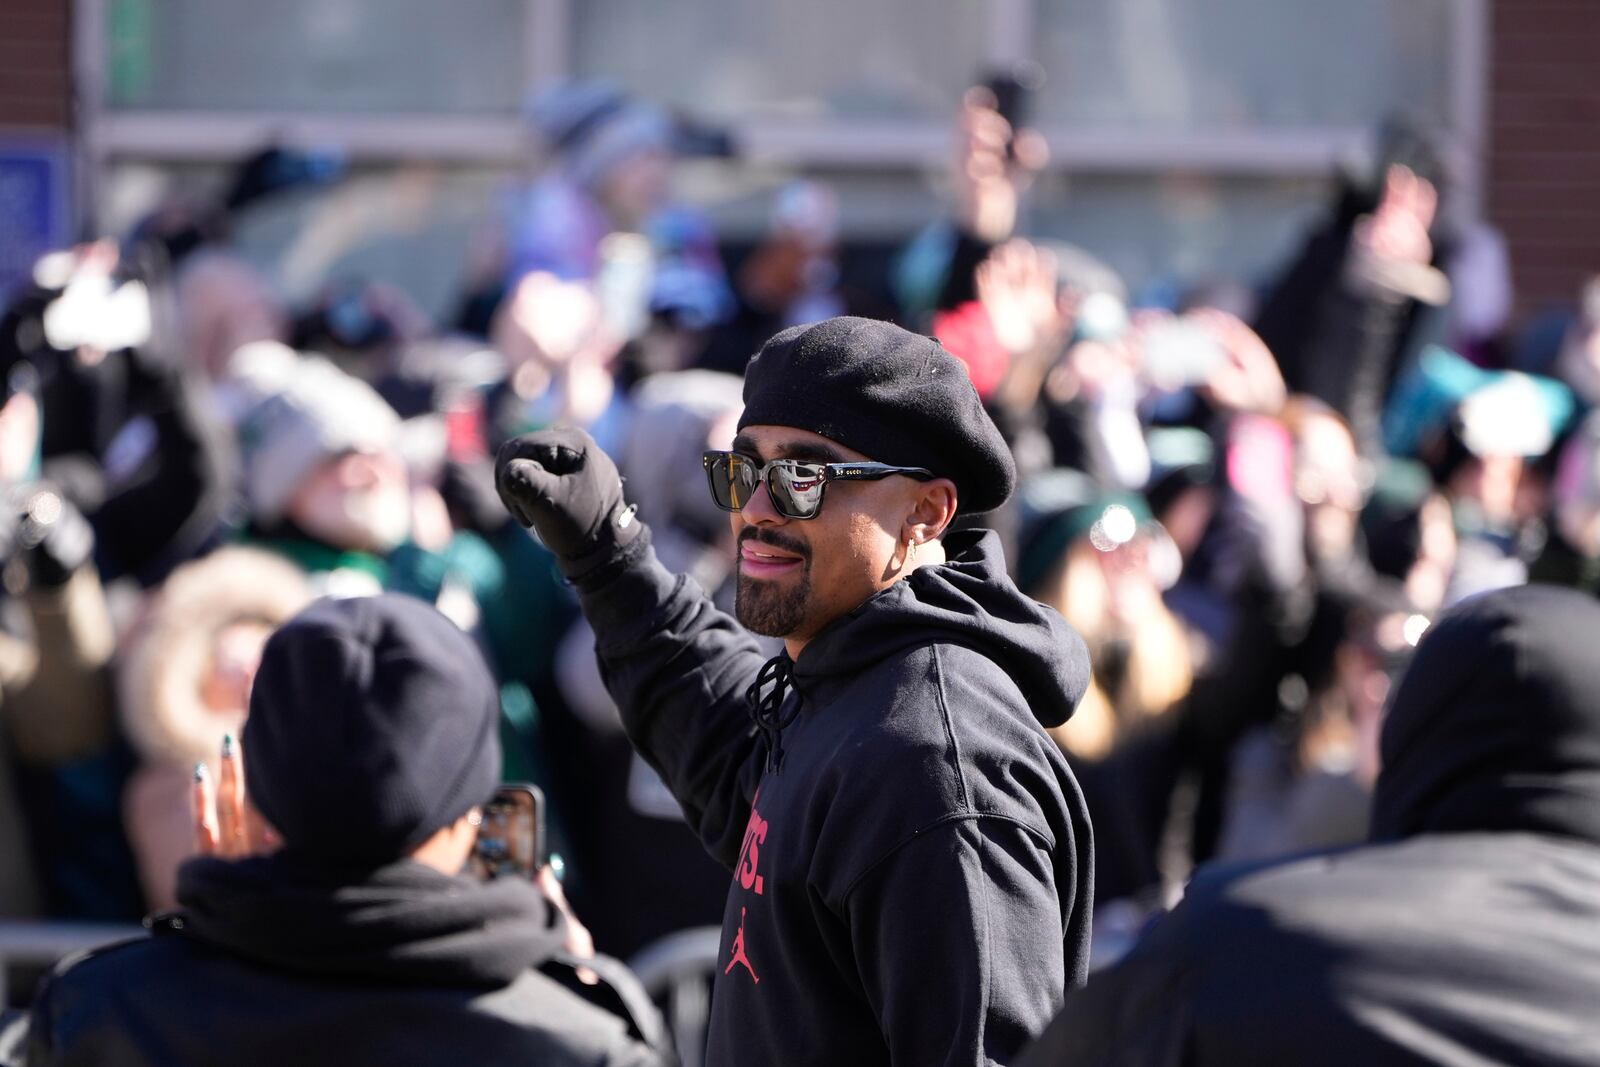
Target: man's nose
x=759 y=510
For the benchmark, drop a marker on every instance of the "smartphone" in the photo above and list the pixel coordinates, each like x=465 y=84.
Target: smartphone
x=1179 y=352
x=511 y=836
x=623 y=281
x=1013 y=88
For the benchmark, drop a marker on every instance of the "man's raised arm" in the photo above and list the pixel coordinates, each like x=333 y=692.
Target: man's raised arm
x=676 y=666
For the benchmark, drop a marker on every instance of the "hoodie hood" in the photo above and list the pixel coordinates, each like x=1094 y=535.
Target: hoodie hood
x=404 y=922
x=1496 y=724
x=969 y=600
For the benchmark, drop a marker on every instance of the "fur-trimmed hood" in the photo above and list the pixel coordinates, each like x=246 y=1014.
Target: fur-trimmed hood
x=169 y=650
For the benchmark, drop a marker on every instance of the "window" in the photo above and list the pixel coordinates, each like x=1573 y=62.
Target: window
x=824 y=59
x=1229 y=65
x=1186 y=134
x=354 y=56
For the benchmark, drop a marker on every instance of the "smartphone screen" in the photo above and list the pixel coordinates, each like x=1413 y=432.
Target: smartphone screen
x=511 y=836
x=1178 y=352
x=622 y=283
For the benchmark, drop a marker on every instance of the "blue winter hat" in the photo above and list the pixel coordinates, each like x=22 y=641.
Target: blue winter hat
x=594 y=127
x=1498 y=411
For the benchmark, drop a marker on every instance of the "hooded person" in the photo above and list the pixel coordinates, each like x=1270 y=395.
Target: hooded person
x=1466 y=931
x=370 y=746
x=912 y=858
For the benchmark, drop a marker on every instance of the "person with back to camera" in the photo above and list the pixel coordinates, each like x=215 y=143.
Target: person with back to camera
x=912 y=858
x=370 y=745
x=1467 y=931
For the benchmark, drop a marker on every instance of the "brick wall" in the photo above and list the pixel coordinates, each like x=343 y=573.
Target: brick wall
x=1544 y=151
x=35 y=64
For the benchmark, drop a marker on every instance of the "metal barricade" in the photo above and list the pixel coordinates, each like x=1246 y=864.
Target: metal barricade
x=677 y=972
x=42 y=944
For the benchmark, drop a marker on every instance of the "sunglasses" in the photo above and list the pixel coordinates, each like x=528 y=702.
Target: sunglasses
x=795 y=486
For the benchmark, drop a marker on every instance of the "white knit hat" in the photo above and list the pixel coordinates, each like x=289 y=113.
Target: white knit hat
x=299 y=413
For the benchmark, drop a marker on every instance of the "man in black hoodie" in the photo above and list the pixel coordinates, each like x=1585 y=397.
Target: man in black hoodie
x=911 y=855
x=1467 y=931
x=370 y=744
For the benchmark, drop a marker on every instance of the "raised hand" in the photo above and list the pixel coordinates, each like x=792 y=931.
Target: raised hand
x=564 y=486
x=226 y=823
x=579 y=942
x=1390 y=250
x=1247 y=378
x=989 y=182
x=1398 y=230
x=1017 y=287
x=552 y=322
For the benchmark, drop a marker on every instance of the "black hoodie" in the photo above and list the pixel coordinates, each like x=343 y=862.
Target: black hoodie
x=274 y=961
x=1467 y=933
x=912 y=857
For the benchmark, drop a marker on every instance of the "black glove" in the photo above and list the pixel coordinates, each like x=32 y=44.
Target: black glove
x=564 y=486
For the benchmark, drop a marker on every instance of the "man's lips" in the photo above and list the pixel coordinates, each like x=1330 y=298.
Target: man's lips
x=760 y=560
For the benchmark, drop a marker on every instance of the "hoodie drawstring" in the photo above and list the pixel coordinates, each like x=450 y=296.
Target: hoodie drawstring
x=766 y=711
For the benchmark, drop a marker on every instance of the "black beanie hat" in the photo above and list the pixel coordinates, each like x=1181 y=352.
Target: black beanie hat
x=373 y=724
x=892 y=395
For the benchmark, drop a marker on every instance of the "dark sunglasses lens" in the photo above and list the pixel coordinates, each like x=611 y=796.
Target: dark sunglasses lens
x=796 y=488
x=733 y=481
x=719 y=481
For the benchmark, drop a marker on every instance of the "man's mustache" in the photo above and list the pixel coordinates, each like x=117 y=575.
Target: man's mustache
x=775 y=540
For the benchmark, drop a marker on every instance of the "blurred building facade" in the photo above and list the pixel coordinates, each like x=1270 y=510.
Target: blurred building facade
x=1187 y=137
x=1543 y=165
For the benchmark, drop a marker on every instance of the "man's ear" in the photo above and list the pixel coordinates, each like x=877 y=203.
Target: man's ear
x=932 y=510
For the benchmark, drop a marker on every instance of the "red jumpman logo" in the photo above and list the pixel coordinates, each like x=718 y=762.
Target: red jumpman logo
x=738 y=951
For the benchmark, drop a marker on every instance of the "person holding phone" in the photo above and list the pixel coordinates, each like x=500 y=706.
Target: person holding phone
x=332 y=922
x=911 y=856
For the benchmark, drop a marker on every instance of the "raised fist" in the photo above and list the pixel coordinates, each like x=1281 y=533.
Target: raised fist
x=564 y=486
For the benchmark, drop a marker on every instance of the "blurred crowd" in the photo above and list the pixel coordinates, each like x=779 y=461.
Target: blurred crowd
x=1251 y=497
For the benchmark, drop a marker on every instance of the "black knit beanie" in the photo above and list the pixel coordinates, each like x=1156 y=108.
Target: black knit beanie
x=892 y=395
x=373 y=724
